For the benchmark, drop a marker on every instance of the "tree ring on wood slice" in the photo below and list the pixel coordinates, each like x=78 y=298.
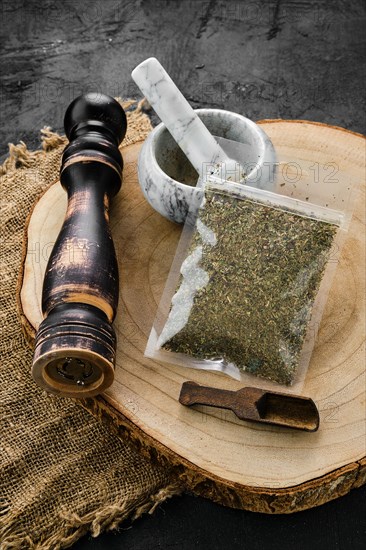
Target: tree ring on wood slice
x=214 y=454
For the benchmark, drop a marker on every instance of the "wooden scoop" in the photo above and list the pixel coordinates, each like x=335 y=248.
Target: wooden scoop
x=256 y=405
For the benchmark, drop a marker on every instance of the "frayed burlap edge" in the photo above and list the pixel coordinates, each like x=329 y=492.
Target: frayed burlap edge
x=108 y=517
x=94 y=523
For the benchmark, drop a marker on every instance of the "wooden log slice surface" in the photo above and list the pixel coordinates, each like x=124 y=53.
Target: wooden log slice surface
x=216 y=455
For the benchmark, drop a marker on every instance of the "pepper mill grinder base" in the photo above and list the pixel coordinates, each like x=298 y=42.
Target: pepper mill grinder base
x=74 y=351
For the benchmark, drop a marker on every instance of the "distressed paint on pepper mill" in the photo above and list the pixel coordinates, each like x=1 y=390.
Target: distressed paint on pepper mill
x=75 y=345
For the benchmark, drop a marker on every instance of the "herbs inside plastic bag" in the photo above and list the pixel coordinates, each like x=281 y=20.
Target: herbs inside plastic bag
x=248 y=285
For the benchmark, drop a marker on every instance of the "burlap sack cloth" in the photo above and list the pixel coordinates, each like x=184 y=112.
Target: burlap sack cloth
x=62 y=474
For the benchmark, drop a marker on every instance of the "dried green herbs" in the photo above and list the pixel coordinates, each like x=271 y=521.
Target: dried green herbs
x=248 y=286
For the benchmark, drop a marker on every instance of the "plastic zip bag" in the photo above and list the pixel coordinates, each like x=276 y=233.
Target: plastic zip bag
x=247 y=285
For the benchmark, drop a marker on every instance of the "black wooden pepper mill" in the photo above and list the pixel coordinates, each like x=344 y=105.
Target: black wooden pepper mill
x=75 y=345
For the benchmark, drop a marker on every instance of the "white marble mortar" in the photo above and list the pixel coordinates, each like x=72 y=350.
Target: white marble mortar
x=168 y=179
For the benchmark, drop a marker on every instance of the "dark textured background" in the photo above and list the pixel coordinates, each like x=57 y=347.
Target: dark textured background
x=285 y=59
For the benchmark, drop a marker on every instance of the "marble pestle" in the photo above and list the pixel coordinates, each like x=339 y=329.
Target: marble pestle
x=190 y=133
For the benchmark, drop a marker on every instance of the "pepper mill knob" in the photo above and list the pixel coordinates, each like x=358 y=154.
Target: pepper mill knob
x=75 y=345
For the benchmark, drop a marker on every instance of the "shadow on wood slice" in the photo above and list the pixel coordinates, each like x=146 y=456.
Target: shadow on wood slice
x=249 y=466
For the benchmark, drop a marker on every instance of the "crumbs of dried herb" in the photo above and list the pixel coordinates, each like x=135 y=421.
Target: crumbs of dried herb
x=264 y=273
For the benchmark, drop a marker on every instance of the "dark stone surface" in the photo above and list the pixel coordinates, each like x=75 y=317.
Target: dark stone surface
x=281 y=59
x=186 y=523
x=264 y=59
